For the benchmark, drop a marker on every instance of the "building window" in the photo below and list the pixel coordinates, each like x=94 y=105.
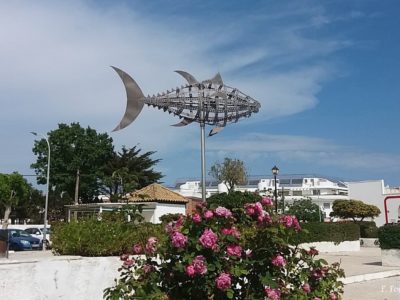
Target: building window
x=316 y=192
x=297 y=181
x=327 y=206
x=297 y=193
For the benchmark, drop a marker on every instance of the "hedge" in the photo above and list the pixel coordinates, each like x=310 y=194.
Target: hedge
x=90 y=237
x=327 y=232
x=368 y=229
x=389 y=236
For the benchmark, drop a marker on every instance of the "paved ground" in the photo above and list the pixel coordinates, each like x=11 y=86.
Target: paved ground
x=362 y=266
x=366 y=278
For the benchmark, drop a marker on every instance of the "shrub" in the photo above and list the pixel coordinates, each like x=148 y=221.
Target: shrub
x=389 y=236
x=354 y=209
x=91 y=237
x=305 y=210
x=368 y=229
x=213 y=255
x=336 y=232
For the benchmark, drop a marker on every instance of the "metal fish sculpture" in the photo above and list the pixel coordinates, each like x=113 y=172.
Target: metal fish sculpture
x=206 y=102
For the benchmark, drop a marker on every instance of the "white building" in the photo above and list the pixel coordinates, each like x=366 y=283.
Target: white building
x=374 y=192
x=156 y=199
x=321 y=189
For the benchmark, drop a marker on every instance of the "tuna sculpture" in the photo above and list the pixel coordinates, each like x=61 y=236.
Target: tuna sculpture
x=206 y=102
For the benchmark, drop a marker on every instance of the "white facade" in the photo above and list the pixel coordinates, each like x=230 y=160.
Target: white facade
x=167 y=208
x=374 y=192
x=321 y=190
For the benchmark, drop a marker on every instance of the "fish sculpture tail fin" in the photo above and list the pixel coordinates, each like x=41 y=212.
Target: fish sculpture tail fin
x=134 y=102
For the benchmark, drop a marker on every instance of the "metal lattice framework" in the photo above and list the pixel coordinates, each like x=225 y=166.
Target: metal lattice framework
x=207 y=102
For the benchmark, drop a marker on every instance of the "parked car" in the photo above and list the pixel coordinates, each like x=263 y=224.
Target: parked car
x=37 y=232
x=19 y=240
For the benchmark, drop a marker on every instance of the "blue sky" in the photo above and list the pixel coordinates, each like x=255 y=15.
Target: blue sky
x=326 y=74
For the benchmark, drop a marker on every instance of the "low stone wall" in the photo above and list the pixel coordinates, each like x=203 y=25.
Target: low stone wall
x=390 y=257
x=326 y=247
x=370 y=243
x=59 y=277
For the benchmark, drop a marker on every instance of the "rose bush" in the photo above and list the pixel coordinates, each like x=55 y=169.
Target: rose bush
x=217 y=253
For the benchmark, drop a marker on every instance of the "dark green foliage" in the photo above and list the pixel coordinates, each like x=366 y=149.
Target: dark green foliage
x=305 y=210
x=233 y=200
x=91 y=237
x=336 y=232
x=129 y=170
x=368 y=229
x=74 y=150
x=389 y=236
x=165 y=219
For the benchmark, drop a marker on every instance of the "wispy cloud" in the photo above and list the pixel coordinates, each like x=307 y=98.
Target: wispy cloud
x=320 y=152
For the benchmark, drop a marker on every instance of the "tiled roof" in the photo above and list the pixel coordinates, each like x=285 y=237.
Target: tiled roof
x=156 y=193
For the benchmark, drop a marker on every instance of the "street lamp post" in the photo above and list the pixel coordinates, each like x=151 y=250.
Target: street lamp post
x=47 y=192
x=275 y=172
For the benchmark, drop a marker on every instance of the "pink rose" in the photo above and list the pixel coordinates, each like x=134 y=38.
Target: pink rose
x=223 y=281
x=267 y=201
x=231 y=231
x=147 y=268
x=124 y=257
x=312 y=251
x=151 y=245
x=249 y=253
x=250 y=209
x=332 y=296
x=258 y=208
x=199 y=265
x=137 y=249
x=179 y=240
x=223 y=212
x=272 y=294
x=306 y=287
x=290 y=222
x=196 y=218
x=128 y=263
x=208 y=214
x=190 y=271
x=208 y=239
x=234 y=250
x=278 y=261
x=317 y=274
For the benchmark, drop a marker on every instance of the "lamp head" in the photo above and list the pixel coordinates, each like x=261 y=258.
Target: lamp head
x=275 y=170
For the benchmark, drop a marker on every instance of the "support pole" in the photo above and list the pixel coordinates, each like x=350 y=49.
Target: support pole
x=202 y=146
x=203 y=162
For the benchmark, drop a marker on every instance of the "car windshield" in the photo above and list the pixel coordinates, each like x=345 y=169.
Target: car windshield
x=19 y=233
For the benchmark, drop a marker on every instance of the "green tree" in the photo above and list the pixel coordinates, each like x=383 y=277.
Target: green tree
x=128 y=170
x=232 y=172
x=305 y=210
x=13 y=189
x=354 y=209
x=78 y=159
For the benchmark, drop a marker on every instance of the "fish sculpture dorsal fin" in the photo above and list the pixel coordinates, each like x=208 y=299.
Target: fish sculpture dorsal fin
x=189 y=78
x=217 y=79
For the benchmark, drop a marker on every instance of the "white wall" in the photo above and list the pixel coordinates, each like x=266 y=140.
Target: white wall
x=372 y=192
x=168 y=208
x=57 y=278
